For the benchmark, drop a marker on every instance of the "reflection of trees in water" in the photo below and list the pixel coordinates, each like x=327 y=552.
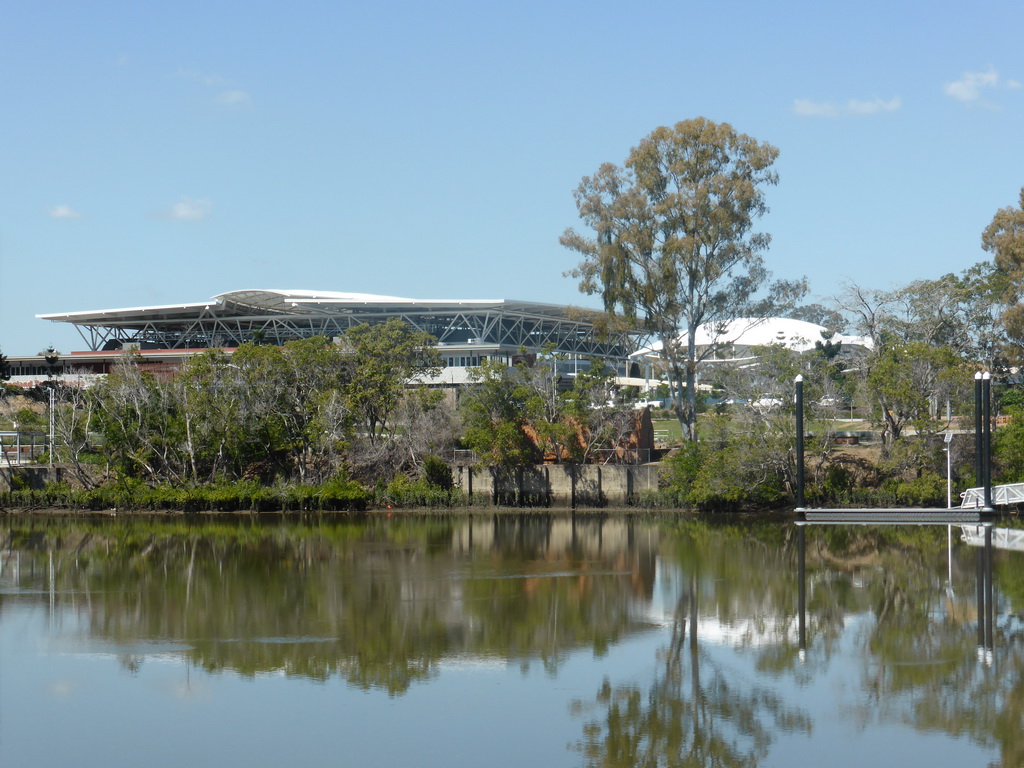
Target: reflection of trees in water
x=381 y=604
x=748 y=583
x=377 y=604
x=691 y=714
x=931 y=677
x=919 y=651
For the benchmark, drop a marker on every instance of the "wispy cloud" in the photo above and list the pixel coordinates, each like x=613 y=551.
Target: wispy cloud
x=189 y=209
x=211 y=81
x=809 y=108
x=230 y=98
x=971 y=87
x=63 y=212
x=858 y=107
x=227 y=95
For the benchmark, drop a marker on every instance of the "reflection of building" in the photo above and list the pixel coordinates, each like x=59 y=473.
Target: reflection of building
x=737 y=340
x=467 y=332
x=588 y=547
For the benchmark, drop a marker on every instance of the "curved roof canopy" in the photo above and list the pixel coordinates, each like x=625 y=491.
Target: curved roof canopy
x=276 y=316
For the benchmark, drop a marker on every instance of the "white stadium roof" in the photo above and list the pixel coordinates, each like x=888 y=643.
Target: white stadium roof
x=277 y=315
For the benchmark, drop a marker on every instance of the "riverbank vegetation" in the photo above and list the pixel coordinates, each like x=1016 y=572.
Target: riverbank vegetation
x=349 y=423
x=318 y=425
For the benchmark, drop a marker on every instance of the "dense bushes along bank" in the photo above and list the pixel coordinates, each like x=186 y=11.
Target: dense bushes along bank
x=350 y=496
x=333 y=496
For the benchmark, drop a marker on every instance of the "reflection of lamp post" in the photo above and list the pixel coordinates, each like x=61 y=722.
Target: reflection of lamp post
x=948 y=440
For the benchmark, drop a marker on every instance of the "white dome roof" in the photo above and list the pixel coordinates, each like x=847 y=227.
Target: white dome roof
x=797 y=335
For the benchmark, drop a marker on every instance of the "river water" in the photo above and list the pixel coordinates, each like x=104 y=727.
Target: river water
x=507 y=640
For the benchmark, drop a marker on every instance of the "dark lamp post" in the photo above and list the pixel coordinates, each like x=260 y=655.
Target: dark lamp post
x=52 y=357
x=799 y=381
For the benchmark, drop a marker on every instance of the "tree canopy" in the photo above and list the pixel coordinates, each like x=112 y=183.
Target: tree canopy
x=1004 y=239
x=673 y=241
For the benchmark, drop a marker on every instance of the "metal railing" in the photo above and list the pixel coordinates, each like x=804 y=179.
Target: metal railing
x=21 y=447
x=974 y=498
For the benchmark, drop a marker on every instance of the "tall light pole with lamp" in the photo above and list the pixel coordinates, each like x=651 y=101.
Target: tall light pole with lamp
x=52 y=357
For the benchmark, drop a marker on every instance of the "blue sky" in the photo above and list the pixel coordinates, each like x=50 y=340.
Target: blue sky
x=155 y=153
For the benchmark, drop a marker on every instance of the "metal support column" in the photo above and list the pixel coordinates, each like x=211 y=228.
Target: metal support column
x=979 y=479
x=799 y=442
x=986 y=449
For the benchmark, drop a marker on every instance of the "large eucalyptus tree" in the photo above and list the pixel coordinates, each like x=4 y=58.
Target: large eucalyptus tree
x=673 y=241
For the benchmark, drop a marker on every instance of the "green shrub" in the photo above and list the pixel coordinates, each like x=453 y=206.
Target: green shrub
x=404 y=492
x=437 y=473
x=927 y=490
x=717 y=475
x=342 y=494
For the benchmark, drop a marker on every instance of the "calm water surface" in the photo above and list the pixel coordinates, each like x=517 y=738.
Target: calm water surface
x=506 y=641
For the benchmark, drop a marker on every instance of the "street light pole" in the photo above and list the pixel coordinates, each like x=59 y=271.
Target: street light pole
x=949 y=470
x=51 y=428
x=51 y=356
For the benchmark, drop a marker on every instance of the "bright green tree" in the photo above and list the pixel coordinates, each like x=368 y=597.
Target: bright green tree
x=1008 y=446
x=912 y=383
x=497 y=411
x=385 y=359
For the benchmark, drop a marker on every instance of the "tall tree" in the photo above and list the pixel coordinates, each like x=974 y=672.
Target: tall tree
x=674 y=244
x=1004 y=238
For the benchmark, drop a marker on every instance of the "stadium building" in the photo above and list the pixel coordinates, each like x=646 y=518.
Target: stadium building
x=467 y=332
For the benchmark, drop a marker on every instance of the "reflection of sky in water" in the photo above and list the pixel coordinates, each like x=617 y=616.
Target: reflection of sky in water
x=65 y=703
x=831 y=691
x=835 y=698
x=70 y=698
x=85 y=708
